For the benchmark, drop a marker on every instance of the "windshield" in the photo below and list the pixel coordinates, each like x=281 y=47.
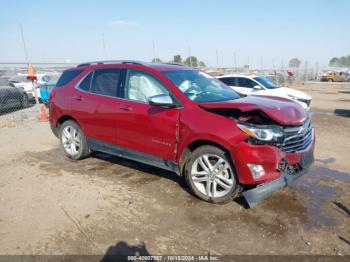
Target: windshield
x=200 y=87
x=265 y=82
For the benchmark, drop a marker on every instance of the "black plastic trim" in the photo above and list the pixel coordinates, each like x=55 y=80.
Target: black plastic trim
x=138 y=156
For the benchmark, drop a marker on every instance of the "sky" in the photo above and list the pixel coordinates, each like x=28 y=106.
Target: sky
x=262 y=33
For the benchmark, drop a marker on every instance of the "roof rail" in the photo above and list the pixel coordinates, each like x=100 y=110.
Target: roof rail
x=111 y=62
x=173 y=63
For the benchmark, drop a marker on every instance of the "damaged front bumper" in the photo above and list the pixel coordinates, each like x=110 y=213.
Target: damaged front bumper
x=262 y=191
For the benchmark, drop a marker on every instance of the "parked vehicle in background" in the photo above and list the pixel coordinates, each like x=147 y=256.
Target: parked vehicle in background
x=332 y=76
x=13 y=98
x=21 y=81
x=180 y=119
x=261 y=86
x=46 y=81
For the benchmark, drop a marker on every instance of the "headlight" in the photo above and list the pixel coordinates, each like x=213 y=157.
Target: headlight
x=266 y=134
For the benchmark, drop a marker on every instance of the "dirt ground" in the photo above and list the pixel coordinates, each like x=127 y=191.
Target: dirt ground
x=105 y=204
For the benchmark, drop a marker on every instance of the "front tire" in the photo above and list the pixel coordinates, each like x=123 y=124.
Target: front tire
x=211 y=176
x=73 y=141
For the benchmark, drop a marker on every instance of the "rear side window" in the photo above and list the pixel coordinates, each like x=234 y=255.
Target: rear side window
x=230 y=81
x=105 y=82
x=67 y=76
x=86 y=83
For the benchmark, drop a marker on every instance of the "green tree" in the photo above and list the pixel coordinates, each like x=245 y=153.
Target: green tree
x=178 y=59
x=156 y=60
x=343 y=61
x=294 y=62
x=202 y=64
x=191 y=61
x=334 y=62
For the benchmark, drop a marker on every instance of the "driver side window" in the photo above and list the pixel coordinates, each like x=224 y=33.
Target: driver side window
x=247 y=83
x=141 y=85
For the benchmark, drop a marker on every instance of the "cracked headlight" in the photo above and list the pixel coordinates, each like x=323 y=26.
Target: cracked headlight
x=264 y=134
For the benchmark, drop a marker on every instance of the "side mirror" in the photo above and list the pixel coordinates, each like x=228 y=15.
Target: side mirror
x=257 y=87
x=161 y=100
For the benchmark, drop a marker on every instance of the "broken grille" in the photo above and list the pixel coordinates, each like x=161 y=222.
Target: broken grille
x=298 y=138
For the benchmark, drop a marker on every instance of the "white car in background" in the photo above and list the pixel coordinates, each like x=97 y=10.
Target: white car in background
x=21 y=81
x=259 y=85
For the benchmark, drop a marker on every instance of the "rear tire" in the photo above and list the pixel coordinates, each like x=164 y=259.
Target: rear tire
x=211 y=176
x=73 y=141
x=25 y=101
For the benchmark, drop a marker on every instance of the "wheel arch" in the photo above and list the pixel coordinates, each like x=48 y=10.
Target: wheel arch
x=186 y=152
x=63 y=119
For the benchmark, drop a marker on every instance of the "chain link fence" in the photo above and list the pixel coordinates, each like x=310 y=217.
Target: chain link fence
x=17 y=95
x=16 y=106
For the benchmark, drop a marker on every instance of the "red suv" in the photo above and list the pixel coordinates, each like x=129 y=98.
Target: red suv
x=181 y=119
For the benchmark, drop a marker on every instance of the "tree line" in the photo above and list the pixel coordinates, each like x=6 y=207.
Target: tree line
x=190 y=61
x=343 y=61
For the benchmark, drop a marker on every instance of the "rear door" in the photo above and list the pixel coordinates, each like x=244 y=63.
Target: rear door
x=233 y=83
x=14 y=98
x=4 y=95
x=95 y=104
x=142 y=127
x=245 y=86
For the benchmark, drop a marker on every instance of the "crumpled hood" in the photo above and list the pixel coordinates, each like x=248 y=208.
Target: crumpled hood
x=283 y=111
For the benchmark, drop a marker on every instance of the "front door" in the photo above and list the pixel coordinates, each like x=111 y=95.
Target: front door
x=142 y=127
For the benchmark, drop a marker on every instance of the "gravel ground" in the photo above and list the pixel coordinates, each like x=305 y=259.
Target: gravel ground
x=105 y=204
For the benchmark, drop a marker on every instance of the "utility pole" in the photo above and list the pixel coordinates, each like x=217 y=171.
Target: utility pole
x=261 y=63
x=305 y=72
x=154 y=51
x=217 y=59
x=189 y=52
x=104 y=46
x=316 y=73
x=249 y=70
x=274 y=70
x=30 y=68
x=24 y=44
x=235 y=61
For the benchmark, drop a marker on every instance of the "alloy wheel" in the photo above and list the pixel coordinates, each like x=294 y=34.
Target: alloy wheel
x=212 y=175
x=71 y=140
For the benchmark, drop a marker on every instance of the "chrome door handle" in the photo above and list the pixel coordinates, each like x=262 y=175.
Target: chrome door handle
x=125 y=107
x=78 y=98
